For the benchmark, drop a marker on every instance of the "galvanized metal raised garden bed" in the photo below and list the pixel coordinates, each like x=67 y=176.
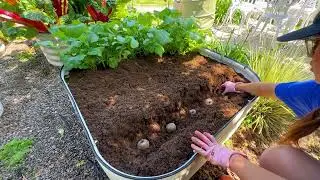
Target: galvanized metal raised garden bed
x=190 y=167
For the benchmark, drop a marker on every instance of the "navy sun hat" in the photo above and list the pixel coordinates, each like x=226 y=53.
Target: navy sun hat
x=303 y=33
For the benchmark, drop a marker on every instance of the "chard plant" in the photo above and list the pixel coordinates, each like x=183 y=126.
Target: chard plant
x=42 y=14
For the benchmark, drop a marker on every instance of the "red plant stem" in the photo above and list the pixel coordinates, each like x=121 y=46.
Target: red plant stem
x=11 y=16
x=57 y=7
x=93 y=13
x=65 y=7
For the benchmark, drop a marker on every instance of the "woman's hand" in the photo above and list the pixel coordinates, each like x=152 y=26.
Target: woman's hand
x=229 y=87
x=206 y=145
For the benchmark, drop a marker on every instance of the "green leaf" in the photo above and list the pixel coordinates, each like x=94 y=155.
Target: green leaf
x=162 y=36
x=145 y=19
x=75 y=43
x=159 y=50
x=168 y=13
x=125 y=54
x=194 y=36
x=77 y=58
x=131 y=23
x=45 y=43
x=74 y=30
x=113 y=62
x=95 y=51
x=121 y=39
x=30 y=33
x=150 y=35
x=92 y=37
x=38 y=15
x=134 y=43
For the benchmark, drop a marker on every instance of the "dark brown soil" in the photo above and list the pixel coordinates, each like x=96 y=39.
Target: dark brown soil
x=141 y=96
x=209 y=172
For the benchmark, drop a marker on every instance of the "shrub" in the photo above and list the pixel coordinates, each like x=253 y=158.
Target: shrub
x=270 y=117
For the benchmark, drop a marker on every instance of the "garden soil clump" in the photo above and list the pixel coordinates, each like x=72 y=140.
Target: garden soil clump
x=138 y=99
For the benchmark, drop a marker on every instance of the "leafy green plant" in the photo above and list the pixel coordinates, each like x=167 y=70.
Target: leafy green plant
x=9 y=32
x=270 y=117
x=40 y=14
x=185 y=32
x=106 y=44
x=14 y=152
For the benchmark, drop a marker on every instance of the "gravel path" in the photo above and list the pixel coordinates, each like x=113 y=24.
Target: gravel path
x=36 y=106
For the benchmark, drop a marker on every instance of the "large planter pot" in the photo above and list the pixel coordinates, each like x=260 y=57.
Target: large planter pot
x=193 y=164
x=51 y=53
x=203 y=10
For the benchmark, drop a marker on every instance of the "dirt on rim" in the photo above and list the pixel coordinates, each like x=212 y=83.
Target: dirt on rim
x=138 y=99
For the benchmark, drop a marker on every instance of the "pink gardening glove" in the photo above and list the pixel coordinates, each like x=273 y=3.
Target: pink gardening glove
x=207 y=146
x=229 y=87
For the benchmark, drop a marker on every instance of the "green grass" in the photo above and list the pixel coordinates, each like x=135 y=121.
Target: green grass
x=221 y=10
x=270 y=117
x=222 y=7
x=14 y=152
x=274 y=66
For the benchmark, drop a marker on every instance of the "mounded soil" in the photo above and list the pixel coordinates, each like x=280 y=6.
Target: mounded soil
x=138 y=99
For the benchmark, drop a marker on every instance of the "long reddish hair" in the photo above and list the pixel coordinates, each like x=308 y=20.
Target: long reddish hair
x=302 y=128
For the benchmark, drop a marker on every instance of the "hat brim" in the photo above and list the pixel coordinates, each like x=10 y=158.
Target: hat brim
x=302 y=33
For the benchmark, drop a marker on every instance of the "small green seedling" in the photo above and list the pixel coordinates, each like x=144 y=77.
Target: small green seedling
x=14 y=152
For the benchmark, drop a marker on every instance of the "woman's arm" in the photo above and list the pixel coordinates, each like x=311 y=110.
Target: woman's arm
x=246 y=170
x=258 y=89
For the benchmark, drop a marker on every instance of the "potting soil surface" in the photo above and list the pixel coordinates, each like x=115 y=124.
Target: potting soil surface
x=138 y=99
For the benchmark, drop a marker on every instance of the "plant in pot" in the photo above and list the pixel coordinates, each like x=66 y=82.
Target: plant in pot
x=37 y=16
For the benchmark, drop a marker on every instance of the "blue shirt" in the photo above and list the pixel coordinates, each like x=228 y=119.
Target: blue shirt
x=302 y=97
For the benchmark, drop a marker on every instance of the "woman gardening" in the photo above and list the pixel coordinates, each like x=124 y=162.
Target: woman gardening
x=302 y=97
x=285 y=161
